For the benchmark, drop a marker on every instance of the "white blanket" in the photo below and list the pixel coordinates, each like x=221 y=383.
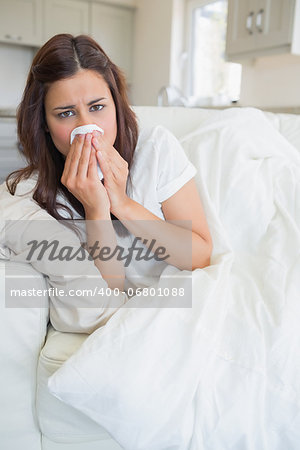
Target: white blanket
x=226 y=372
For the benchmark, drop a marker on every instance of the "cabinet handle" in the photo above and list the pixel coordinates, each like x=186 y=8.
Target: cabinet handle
x=13 y=38
x=249 y=22
x=259 y=20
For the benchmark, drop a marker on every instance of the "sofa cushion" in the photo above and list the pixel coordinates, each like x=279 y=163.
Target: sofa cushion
x=178 y=120
x=181 y=121
x=23 y=327
x=58 y=421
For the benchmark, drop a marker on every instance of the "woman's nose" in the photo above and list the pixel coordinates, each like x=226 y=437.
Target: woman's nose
x=83 y=119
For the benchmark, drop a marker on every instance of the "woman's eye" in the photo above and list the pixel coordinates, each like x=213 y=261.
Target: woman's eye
x=96 y=107
x=66 y=114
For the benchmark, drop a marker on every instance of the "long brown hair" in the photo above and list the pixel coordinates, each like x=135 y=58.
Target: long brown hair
x=62 y=57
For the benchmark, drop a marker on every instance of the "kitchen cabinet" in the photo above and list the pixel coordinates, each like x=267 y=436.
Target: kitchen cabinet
x=262 y=27
x=112 y=28
x=109 y=23
x=65 y=16
x=21 y=22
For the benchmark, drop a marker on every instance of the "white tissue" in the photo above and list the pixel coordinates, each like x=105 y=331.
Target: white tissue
x=84 y=129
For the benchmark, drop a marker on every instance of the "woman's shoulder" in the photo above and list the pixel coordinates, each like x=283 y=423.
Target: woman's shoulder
x=21 y=203
x=24 y=187
x=153 y=135
x=152 y=141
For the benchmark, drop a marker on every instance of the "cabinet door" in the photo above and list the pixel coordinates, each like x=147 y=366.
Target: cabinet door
x=112 y=28
x=274 y=23
x=65 y=16
x=21 y=22
x=240 y=26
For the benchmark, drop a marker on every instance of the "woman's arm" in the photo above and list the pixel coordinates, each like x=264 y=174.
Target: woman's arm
x=100 y=234
x=187 y=242
x=81 y=178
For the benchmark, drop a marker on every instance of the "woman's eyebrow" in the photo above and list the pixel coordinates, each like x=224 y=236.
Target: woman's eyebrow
x=73 y=106
x=97 y=100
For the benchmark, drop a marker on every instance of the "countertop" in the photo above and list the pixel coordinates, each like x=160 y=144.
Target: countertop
x=7 y=112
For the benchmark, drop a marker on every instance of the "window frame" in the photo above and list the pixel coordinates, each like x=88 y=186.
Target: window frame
x=191 y=5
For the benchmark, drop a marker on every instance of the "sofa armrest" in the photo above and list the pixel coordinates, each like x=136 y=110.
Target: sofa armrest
x=23 y=327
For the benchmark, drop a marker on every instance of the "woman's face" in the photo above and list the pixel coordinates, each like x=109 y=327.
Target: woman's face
x=79 y=100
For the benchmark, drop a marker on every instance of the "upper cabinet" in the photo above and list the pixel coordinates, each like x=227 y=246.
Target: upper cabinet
x=21 y=22
x=65 y=16
x=112 y=28
x=110 y=23
x=262 y=27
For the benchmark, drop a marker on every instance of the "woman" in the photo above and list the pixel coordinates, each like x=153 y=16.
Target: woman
x=148 y=181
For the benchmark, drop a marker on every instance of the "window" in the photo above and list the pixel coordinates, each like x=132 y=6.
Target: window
x=210 y=79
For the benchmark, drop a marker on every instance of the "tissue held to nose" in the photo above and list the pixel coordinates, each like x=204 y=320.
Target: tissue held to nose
x=84 y=130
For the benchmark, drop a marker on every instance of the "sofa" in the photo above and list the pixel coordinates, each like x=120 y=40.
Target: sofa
x=32 y=350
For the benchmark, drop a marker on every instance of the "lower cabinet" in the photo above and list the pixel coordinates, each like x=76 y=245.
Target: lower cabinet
x=11 y=158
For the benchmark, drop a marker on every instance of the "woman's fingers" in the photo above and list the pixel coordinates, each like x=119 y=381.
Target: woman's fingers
x=84 y=158
x=104 y=165
x=107 y=150
x=77 y=163
x=81 y=162
x=109 y=170
x=92 y=168
x=71 y=162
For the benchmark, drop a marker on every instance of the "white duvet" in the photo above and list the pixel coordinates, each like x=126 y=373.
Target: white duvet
x=224 y=374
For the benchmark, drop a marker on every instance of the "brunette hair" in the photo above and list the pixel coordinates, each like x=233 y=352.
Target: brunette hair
x=62 y=57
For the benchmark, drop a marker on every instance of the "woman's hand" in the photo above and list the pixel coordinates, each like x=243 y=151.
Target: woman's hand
x=81 y=178
x=115 y=172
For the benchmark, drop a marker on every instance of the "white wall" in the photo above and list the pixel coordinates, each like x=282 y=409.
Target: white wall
x=157 y=47
x=15 y=63
x=151 y=54
x=272 y=81
x=177 y=43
